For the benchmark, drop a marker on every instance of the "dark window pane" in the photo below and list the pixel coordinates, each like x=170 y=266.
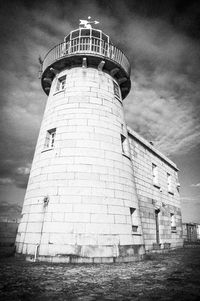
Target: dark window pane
x=134 y=228
x=85 y=32
x=75 y=34
x=104 y=38
x=67 y=38
x=96 y=33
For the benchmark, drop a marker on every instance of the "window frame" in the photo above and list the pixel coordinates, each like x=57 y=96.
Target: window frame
x=134 y=225
x=117 y=91
x=173 y=222
x=154 y=168
x=125 y=146
x=50 y=139
x=169 y=183
x=59 y=84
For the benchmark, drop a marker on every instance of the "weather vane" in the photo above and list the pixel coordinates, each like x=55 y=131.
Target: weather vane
x=87 y=23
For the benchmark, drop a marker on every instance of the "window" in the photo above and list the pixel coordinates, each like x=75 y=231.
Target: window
x=125 y=146
x=169 y=183
x=173 y=222
x=61 y=83
x=116 y=90
x=50 y=138
x=123 y=139
x=134 y=219
x=155 y=175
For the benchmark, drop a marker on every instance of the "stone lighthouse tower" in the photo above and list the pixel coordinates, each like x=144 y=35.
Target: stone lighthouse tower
x=81 y=203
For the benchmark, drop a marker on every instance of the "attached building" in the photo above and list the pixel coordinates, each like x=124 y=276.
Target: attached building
x=157 y=186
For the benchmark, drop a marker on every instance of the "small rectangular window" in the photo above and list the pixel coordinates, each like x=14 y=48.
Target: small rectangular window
x=116 y=90
x=155 y=175
x=61 y=83
x=169 y=183
x=134 y=219
x=123 y=139
x=50 y=138
x=125 y=146
x=173 y=222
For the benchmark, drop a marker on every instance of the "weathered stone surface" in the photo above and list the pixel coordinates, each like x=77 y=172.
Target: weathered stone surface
x=91 y=177
x=156 y=197
x=88 y=182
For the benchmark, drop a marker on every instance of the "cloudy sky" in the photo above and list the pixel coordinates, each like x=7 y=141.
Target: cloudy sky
x=162 y=42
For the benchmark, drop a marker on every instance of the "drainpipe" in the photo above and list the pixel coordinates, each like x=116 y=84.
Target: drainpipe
x=36 y=252
x=45 y=204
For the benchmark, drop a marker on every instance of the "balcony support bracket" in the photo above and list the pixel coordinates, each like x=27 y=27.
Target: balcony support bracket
x=122 y=80
x=114 y=71
x=100 y=66
x=47 y=89
x=47 y=80
x=55 y=72
x=84 y=62
x=125 y=89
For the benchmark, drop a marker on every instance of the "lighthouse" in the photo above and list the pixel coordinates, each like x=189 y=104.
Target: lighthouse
x=81 y=203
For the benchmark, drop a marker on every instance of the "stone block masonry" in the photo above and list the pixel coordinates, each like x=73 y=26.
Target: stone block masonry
x=156 y=195
x=87 y=181
x=96 y=192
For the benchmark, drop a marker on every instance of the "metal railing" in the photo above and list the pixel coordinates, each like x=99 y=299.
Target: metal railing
x=86 y=45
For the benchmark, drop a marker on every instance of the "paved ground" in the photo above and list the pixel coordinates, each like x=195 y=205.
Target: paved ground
x=172 y=276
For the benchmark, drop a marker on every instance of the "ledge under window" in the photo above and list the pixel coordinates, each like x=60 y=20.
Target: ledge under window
x=47 y=149
x=119 y=99
x=57 y=92
x=157 y=185
x=136 y=234
x=123 y=154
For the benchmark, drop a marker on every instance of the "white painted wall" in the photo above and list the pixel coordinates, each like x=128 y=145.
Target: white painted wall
x=88 y=181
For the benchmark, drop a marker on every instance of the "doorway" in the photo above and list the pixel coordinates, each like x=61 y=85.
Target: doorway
x=157 y=225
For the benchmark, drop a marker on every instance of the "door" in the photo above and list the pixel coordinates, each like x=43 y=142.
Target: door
x=157 y=226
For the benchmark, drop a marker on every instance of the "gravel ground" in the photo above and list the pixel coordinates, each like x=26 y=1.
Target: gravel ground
x=172 y=276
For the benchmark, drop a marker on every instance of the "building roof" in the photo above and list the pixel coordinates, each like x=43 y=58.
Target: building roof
x=151 y=148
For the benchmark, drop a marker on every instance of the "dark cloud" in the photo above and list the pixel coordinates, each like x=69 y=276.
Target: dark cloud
x=162 y=41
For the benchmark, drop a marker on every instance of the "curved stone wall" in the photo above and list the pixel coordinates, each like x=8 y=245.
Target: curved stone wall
x=81 y=192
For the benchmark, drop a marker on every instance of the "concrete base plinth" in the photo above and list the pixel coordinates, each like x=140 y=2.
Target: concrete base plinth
x=126 y=253
x=78 y=260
